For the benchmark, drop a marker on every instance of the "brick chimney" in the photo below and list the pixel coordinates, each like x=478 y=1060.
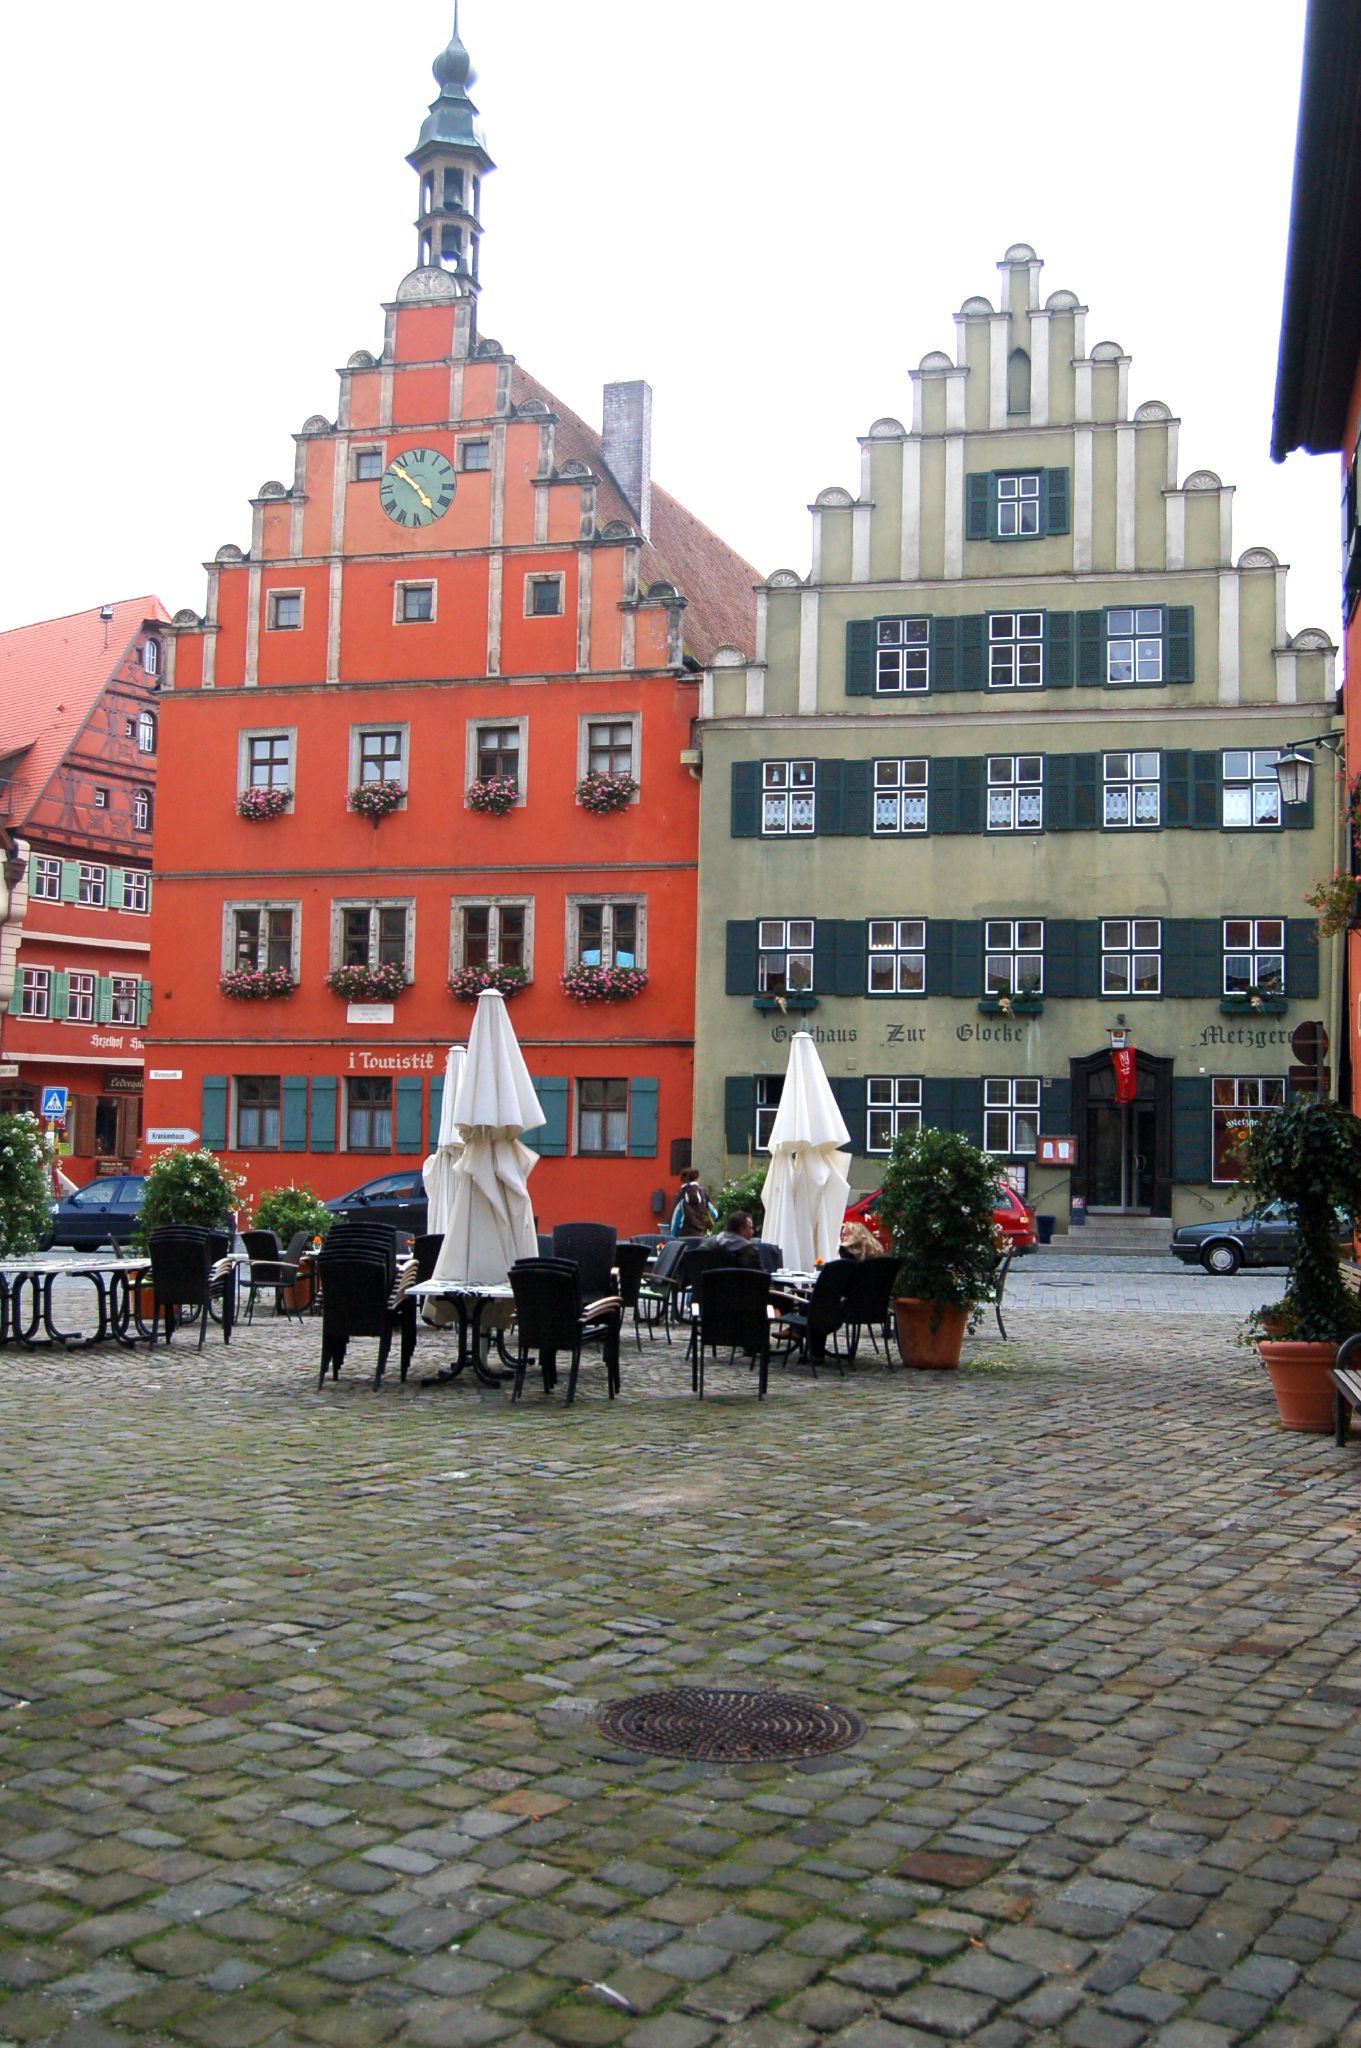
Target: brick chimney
x=627 y=446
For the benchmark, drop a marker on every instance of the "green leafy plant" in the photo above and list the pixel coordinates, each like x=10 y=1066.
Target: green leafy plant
x=1331 y=901
x=743 y=1191
x=1308 y=1154
x=25 y=1184
x=188 y=1187
x=936 y=1204
x=289 y=1209
x=468 y=983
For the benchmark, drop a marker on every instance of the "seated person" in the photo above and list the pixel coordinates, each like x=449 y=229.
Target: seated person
x=858 y=1242
x=736 y=1239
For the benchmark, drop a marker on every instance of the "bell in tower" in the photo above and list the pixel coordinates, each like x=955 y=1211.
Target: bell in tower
x=451 y=159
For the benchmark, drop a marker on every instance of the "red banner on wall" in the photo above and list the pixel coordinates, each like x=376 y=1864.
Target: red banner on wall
x=1125 y=1081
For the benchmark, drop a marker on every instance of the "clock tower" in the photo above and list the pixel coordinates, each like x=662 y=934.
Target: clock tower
x=450 y=159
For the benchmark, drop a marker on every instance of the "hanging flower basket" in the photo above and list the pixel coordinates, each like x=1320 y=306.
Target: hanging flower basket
x=1333 y=902
x=257 y=805
x=1264 y=1002
x=605 y=793
x=496 y=794
x=468 y=983
x=367 y=984
x=375 y=800
x=603 y=984
x=256 y=984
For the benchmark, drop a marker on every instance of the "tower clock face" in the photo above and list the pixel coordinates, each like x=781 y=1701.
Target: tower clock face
x=417 y=487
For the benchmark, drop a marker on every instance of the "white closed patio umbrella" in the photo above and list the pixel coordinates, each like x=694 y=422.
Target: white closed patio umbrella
x=438 y=1170
x=491 y=1223
x=806 y=1188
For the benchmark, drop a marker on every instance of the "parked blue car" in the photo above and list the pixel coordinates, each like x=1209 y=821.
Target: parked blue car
x=105 y=1212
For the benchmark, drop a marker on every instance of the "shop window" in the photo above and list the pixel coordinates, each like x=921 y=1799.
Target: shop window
x=1237 y=1102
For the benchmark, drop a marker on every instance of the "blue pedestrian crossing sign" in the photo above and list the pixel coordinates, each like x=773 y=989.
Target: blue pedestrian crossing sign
x=54 y=1105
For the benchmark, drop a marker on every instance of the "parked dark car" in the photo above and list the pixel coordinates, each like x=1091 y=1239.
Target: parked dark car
x=1265 y=1238
x=105 y=1212
x=395 y=1198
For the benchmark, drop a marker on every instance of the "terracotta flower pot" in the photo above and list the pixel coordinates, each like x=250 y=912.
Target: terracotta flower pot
x=920 y=1343
x=1300 y=1382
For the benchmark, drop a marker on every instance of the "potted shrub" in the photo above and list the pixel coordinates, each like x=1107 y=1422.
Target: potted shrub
x=1309 y=1156
x=286 y=1211
x=188 y=1187
x=25 y=1185
x=936 y=1204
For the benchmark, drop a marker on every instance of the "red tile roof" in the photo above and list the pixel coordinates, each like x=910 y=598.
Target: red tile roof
x=683 y=551
x=51 y=678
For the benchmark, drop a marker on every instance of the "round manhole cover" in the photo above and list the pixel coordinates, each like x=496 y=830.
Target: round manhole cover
x=715 y=1724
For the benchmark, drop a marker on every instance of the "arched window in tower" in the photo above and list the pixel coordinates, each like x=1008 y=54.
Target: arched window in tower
x=1018 y=381
x=451 y=248
x=428 y=192
x=453 y=188
x=425 y=250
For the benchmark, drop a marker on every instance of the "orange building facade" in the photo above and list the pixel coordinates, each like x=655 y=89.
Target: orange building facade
x=79 y=747
x=467 y=621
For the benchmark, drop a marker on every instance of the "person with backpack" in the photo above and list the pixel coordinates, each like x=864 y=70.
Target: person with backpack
x=694 y=1214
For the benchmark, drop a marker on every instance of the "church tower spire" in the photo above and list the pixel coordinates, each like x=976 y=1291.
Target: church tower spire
x=450 y=159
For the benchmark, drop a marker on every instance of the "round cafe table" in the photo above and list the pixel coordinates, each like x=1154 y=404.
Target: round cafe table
x=470 y=1300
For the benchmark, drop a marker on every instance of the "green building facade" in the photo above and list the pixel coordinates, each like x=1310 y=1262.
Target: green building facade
x=996 y=796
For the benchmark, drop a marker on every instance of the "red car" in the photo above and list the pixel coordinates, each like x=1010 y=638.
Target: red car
x=1011 y=1215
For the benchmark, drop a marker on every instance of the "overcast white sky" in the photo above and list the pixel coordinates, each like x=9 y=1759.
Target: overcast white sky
x=768 y=208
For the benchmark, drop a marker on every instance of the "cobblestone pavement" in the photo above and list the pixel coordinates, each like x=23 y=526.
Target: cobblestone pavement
x=296 y=1726
x=1137 y=1286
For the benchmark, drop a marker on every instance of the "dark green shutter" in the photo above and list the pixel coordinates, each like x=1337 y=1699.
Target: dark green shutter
x=1087 y=956
x=972 y=798
x=1086 y=791
x=1190 y=1127
x=849 y=1090
x=1060 y=956
x=1090 y=628
x=1060 y=777
x=1053 y=501
x=549 y=1139
x=1180 y=644
x=824 y=955
x=213 y=1112
x=16 y=1001
x=1056 y=1109
x=1058 y=650
x=1301 y=957
x=1207 y=941
x=322 y=1137
x=1176 y=791
x=70 y=881
x=435 y=1112
x=956 y=793
x=1179 y=956
x=103 y=998
x=746 y=799
x=293 y=1118
x=741 y=964
x=979 y=495
x=144 y=1002
x=937 y=1114
x=1206 y=783
x=409 y=1113
x=862 y=637
x=940 y=955
x=61 y=995
x=643 y=1119
x=973 y=652
x=966 y=1108
x=851 y=974
x=827 y=807
x=966 y=972
x=857 y=798
x=739 y=1112
x=942 y=795
x=944 y=657
x=114 y=897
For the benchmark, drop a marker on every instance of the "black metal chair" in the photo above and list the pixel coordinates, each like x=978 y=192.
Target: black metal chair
x=825 y=1314
x=731 y=1311
x=630 y=1263
x=660 y=1288
x=357 y=1301
x=592 y=1245
x=544 y=1239
x=348 y=1234
x=550 y=1317
x=183 y=1260
x=769 y=1256
x=298 y=1294
x=269 y=1271
x=869 y=1299
x=653 y=1239
x=425 y=1251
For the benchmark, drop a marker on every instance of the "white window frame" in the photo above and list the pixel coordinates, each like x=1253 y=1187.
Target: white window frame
x=367 y=1081
x=787 y=788
x=1015 y=650
x=1009 y=774
x=1125 y=780
x=495 y=906
x=46 y=868
x=151 y=657
x=141 y=810
x=579 y=1111
x=1239 y=1109
x=92 y=885
x=897 y=1098
x=1130 y=941
x=633 y=719
x=254 y=1080
x=607 y=904
x=899 y=945
x=902 y=657
x=1011 y=1111
x=137 y=881
x=374 y=728
x=471 y=749
x=35 y=992
x=145 y=730
x=1258 y=951
x=272 y=597
x=466 y=441
x=1015 y=501
x=1258 y=781
x=100 y=796
x=767 y=1090
x=264 y=908
x=1005 y=948
x=373 y=904
x=360 y=449
x=902 y=786
x=536 y=576
x=124 y=990
x=272 y=734
x=775 y=939
x=399 y=595
x=1136 y=653
x=80 y=998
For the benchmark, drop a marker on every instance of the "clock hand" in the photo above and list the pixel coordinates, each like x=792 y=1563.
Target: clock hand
x=407 y=478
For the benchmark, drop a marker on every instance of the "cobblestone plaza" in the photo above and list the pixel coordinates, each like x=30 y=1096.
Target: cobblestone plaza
x=296 y=1738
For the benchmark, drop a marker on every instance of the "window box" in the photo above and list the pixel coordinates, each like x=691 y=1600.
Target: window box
x=256 y=984
x=495 y=794
x=795 y=1002
x=258 y=805
x=605 y=793
x=1248 y=1001
x=1011 y=1006
x=466 y=984
x=603 y=984
x=368 y=984
x=375 y=800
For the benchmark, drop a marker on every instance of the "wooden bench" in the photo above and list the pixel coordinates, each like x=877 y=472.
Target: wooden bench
x=1346 y=1379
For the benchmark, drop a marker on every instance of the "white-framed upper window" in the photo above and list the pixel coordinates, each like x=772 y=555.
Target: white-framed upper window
x=784 y=956
x=788 y=797
x=136 y=890
x=1237 y=1102
x=266 y=759
x=474 y=455
x=146 y=731
x=1254 y=956
x=1018 y=505
x=609 y=746
x=256 y=936
x=124 y=993
x=544 y=595
x=45 y=879
x=1013 y=956
x=100 y=797
x=283 y=611
x=151 y=657
x=1134 y=644
x=80 y=998
x=769 y=1089
x=414 y=604
x=368 y=465
x=900 y=796
x=491 y=932
x=372 y=934
x=499 y=747
x=141 y=810
x=1015 y=650
x=1132 y=789
x=92 y=885
x=1011 y=1116
x=903 y=656
x=378 y=753
x=1252 y=795
x=35 y=992
x=1131 y=956
x=893 y=1104
x=1015 y=792
x=606 y=931
x=897 y=956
